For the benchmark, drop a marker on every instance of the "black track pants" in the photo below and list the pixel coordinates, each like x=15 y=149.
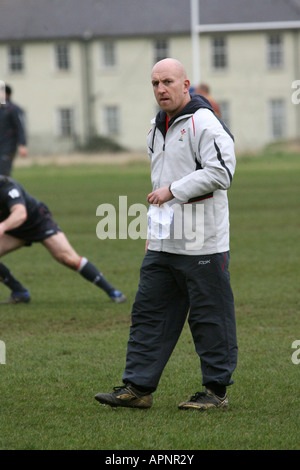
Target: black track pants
x=171 y=287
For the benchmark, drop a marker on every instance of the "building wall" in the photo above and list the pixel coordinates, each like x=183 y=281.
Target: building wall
x=41 y=89
x=247 y=85
x=128 y=86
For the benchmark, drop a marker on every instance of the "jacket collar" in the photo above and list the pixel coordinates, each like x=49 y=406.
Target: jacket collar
x=193 y=105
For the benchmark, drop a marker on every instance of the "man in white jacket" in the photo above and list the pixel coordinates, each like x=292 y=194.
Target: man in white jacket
x=185 y=269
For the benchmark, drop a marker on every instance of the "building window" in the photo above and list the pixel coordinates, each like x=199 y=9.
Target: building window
x=161 y=49
x=219 y=53
x=62 y=56
x=109 y=54
x=275 y=51
x=112 y=120
x=15 y=59
x=277 y=119
x=65 y=122
x=225 y=112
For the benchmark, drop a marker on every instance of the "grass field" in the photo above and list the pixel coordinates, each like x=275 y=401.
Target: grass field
x=70 y=342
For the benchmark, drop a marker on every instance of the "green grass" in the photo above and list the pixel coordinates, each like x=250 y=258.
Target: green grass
x=70 y=342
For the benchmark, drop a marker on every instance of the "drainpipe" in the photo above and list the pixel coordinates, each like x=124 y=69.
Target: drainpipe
x=195 y=37
x=87 y=93
x=297 y=77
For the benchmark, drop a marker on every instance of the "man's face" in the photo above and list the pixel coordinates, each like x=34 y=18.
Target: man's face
x=171 y=87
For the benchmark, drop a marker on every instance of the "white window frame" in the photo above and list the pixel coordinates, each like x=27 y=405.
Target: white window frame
x=275 y=51
x=108 y=54
x=218 y=51
x=13 y=60
x=161 y=48
x=277 y=118
x=111 y=120
x=66 y=52
x=225 y=110
x=60 y=124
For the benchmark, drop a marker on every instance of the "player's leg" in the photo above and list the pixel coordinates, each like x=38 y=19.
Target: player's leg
x=9 y=243
x=212 y=320
x=6 y=164
x=158 y=315
x=61 y=249
x=212 y=323
x=18 y=292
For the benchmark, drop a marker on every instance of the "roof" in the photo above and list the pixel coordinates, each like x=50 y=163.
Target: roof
x=50 y=19
x=248 y=11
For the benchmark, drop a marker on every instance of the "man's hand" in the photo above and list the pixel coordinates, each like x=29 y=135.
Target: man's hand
x=22 y=149
x=159 y=196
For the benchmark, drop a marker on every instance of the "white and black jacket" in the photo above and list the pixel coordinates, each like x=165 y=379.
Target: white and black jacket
x=195 y=156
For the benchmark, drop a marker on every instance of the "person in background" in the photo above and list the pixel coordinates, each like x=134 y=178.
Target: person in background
x=204 y=90
x=25 y=220
x=12 y=133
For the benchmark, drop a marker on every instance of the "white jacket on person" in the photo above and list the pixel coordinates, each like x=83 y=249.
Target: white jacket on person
x=195 y=156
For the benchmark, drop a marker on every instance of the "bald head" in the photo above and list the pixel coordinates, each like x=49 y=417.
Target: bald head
x=172 y=65
x=170 y=85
